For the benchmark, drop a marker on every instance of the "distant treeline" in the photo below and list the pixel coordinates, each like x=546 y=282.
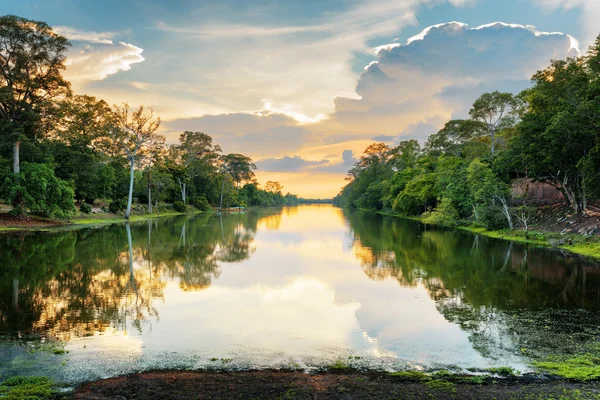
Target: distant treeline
x=548 y=133
x=57 y=147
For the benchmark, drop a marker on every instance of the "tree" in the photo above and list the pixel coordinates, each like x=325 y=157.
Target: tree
x=559 y=135
x=83 y=121
x=239 y=167
x=195 y=155
x=455 y=135
x=134 y=133
x=274 y=187
x=32 y=57
x=497 y=111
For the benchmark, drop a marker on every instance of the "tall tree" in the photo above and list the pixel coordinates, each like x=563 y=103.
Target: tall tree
x=133 y=134
x=239 y=166
x=32 y=58
x=83 y=121
x=498 y=111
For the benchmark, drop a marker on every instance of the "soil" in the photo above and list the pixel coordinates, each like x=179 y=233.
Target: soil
x=297 y=385
x=9 y=221
x=559 y=218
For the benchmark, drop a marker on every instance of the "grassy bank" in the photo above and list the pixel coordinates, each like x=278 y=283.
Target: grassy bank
x=95 y=220
x=588 y=246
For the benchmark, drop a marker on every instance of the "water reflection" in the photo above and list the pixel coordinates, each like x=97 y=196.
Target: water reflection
x=304 y=285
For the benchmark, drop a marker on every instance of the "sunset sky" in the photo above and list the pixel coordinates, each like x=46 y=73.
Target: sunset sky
x=304 y=86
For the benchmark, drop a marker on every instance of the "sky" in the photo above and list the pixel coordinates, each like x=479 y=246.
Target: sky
x=304 y=86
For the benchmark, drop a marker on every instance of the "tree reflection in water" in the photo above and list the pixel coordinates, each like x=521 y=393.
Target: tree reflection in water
x=497 y=291
x=77 y=283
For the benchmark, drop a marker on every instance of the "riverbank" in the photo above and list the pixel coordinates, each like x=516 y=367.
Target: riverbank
x=329 y=385
x=37 y=224
x=584 y=245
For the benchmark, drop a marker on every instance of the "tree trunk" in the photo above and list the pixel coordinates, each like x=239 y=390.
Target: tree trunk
x=16 y=160
x=150 y=190
x=222 y=190
x=130 y=244
x=130 y=197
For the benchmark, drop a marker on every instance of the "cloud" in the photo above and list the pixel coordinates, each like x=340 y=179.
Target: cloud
x=86 y=36
x=96 y=62
x=257 y=135
x=94 y=56
x=384 y=138
x=299 y=67
x=286 y=164
x=438 y=73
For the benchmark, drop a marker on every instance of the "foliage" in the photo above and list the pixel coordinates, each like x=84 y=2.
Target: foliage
x=201 y=203
x=444 y=215
x=85 y=208
x=180 y=206
x=117 y=205
x=548 y=133
x=37 y=189
x=28 y=388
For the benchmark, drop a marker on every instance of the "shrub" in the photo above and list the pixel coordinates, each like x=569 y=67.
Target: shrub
x=85 y=208
x=117 y=205
x=491 y=217
x=444 y=215
x=180 y=206
x=39 y=190
x=201 y=203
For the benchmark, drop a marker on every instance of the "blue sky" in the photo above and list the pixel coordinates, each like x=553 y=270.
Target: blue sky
x=299 y=85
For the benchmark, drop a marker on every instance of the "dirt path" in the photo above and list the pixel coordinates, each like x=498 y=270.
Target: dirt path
x=296 y=385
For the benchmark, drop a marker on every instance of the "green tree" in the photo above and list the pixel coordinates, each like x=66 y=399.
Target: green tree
x=32 y=58
x=498 y=111
x=134 y=133
x=239 y=166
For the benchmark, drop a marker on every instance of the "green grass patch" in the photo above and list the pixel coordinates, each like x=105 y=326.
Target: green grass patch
x=584 y=367
x=417 y=376
x=28 y=388
x=339 y=366
x=507 y=371
x=442 y=386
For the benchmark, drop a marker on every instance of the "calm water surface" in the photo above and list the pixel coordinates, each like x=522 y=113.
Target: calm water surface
x=301 y=287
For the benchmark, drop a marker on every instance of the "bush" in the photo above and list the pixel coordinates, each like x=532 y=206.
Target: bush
x=37 y=188
x=201 y=203
x=117 y=205
x=444 y=215
x=179 y=206
x=491 y=217
x=85 y=208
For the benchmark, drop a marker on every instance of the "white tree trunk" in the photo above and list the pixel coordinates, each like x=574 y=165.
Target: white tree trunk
x=16 y=160
x=130 y=197
x=149 y=190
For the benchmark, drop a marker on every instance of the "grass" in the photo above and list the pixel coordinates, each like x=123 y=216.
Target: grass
x=508 y=371
x=577 y=244
x=105 y=219
x=416 y=376
x=443 y=386
x=582 y=368
x=28 y=388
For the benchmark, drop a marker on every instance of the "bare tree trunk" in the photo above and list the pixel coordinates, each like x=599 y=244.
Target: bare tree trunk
x=16 y=154
x=130 y=197
x=222 y=190
x=150 y=189
x=130 y=243
x=182 y=188
x=505 y=210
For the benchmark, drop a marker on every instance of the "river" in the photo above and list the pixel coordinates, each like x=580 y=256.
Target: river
x=302 y=287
